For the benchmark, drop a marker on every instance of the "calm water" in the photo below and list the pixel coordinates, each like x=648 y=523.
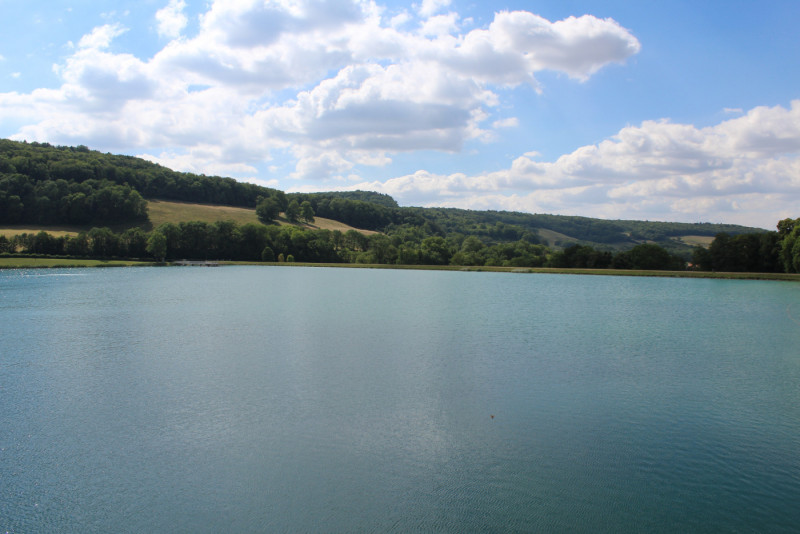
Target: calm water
x=247 y=399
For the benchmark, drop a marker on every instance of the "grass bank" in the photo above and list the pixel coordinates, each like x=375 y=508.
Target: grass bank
x=53 y=263
x=541 y=270
x=30 y=263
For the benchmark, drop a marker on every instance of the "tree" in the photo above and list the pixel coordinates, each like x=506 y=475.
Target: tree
x=267 y=254
x=134 y=240
x=103 y=242
x=307 y=212
x=78 y=245
x=701 y=258
x=648 y=257
x=292 y=211
x=789 y=234
x=267 y=209
x=157 y=245
x=434 y=251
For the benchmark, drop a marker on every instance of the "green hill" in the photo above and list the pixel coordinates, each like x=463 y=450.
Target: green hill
x=73 y=188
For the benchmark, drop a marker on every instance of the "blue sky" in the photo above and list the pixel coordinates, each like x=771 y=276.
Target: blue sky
x=678 y=111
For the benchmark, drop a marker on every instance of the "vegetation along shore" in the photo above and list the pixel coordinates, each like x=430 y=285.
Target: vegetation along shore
x=71 y=206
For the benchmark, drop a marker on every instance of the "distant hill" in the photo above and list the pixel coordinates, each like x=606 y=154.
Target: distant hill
x=55 y=186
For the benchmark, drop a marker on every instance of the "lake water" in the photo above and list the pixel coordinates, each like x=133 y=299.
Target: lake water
x=281 y=399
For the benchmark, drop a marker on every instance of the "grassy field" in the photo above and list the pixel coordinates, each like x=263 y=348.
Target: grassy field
x=542 y=270
x=695 y=240
x=35 y=263
x=56 y=231
x=30 y=263
x=161 y=212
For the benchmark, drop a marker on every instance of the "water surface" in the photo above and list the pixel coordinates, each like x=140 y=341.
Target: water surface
x=280 y=399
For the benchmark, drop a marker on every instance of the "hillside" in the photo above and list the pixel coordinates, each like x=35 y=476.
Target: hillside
x=44 y=186
x=164 y=211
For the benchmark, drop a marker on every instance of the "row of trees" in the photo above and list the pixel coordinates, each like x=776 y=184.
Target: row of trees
x=409 y=245
x=258 y=242
x=766 y=252
x=645 y=256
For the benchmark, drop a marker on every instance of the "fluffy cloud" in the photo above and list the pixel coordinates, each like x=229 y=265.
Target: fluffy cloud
x=748 y=165
x=430 y=7
x=350 y=81
x=171 y=19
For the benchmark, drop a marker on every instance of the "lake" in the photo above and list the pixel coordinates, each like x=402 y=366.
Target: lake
x=289 y=399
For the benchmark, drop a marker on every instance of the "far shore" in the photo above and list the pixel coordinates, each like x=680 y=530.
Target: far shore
x=63 y=263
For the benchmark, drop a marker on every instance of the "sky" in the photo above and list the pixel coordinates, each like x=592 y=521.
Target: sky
x=666 y=111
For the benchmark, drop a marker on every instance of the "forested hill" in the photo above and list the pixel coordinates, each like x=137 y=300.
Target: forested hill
x=44 y=184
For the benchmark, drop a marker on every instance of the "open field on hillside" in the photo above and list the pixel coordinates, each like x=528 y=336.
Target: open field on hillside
x=321 y=223
x=162 y=211
x=55 y=231
x=695 y=240
x=551 y=237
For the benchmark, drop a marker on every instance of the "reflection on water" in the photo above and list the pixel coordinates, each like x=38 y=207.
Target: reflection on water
x=297 y=399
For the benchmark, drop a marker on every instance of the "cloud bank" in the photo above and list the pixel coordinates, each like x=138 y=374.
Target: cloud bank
x=745 y=170
x=310 y=77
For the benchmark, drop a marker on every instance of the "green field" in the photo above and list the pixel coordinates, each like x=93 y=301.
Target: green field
x=31 y=263
x=162 y=211
x=36 y=263
x=55 y=231
x=540 y=270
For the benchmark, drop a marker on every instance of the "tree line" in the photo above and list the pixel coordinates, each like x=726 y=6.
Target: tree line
x=769 y=252
x=757 y=252
x=404 y=245
x=225 y=240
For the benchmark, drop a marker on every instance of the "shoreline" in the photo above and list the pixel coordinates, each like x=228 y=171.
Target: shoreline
x=64 y=263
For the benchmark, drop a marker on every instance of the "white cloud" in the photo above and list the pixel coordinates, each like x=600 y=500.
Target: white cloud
x=440 y=25
x=510 y=122
x=171 y=19
x=367 y=86
x=429 y=8
x=100 y=38
x=337 y=85
x=744 y=170
x=201 y=162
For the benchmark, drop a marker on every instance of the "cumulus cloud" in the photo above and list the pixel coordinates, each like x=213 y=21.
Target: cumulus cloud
x=510 y=122
x=171 y=19
x=745 y=170
x=430 y=7
x=100 y=38
x=364 y=85
x=338 y=85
